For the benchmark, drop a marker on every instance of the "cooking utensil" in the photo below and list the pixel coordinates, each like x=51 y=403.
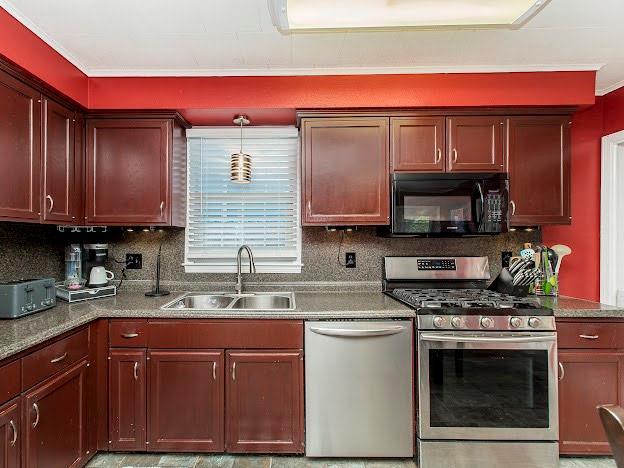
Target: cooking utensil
x=561 y=251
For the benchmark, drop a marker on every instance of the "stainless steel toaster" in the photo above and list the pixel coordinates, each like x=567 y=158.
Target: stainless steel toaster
x=26 y=296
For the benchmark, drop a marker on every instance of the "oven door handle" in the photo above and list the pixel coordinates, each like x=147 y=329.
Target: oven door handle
x=357 y=332
x=485 y=339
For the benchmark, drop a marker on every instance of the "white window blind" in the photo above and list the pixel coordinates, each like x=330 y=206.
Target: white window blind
x=263 y=214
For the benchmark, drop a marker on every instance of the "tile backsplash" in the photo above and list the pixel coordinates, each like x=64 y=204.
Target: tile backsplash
x=38 y=250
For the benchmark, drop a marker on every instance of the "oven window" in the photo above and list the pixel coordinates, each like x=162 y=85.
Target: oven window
x=488 y=388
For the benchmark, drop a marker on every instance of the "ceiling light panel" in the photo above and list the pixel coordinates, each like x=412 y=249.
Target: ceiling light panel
x=349 y=14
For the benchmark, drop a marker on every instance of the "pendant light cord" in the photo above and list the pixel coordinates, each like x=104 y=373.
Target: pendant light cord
x=241 y=136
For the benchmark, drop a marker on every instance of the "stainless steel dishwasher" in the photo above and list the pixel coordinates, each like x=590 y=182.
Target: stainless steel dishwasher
x=359 y=400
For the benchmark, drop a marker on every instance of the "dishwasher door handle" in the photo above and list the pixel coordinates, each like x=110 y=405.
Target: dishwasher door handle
x=354 y=332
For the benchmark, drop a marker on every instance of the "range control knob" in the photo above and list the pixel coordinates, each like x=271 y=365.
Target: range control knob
x=515 y=322
x=438 y=321
x=487 y=322
x=534 y=322
x=456 y=322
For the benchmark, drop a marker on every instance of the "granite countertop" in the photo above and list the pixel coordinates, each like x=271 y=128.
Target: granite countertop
x=19 y=334
x=565 y=307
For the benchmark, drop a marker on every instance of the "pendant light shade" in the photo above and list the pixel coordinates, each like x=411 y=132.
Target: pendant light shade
x=240 y=163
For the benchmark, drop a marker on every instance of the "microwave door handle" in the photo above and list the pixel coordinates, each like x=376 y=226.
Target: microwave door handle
x=482 y=200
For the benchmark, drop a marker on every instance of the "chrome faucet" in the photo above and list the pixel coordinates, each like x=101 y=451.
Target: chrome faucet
x=252 y=267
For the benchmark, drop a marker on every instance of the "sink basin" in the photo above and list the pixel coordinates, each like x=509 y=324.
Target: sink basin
x=262 y=302
x=225 y=301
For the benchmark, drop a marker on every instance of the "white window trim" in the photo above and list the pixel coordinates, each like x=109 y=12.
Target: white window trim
x=230 y=266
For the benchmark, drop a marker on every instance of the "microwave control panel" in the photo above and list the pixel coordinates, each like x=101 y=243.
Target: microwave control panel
x=494 y=207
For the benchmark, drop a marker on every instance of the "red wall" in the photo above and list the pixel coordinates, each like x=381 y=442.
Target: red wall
x=614 y=111
x=24 y=48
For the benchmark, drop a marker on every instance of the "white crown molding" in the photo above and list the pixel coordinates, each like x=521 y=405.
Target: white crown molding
x=272 y=131
x=45 y=37
x=317 y=71
x=610 y=88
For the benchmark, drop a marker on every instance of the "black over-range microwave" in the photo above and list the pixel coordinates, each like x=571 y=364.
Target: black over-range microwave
x=463 y=204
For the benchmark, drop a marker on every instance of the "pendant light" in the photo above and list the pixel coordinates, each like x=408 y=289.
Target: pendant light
x=240 y=163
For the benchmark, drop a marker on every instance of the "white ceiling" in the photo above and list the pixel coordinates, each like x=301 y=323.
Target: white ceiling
x=237 y=37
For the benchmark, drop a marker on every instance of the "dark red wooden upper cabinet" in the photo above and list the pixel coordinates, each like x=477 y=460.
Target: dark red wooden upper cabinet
x=10 y=434
x=128 y=172
x=127 y=401
x=589 y=379
x=20 y=146
x=61 y=170
x=539 y=170
x=186 y=401
x=475 y=144
x=345 y=171
x=54 y=420
x=417 y=144
x=264 y=398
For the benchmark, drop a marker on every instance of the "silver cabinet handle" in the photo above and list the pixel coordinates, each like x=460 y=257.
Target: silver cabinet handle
x=439 y=156
x=36 y=408
x=454 y=155
x=162 y=205
x=136 y=371
x=561 y=371
x=485 y=339
x=234 y=370
x=14 y=429
x=49 y=197
x=309 y=208
x=58 y=358
x=513 y=207
x=214 y=370
x=356 y=332
x=589 y=337
x=129 y=335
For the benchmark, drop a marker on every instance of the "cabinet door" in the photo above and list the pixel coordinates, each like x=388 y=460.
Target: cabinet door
x=55 y=421
x=10 y=435
x=539 y=170
x=20 y=146
x=475 y=144
x=345 y=171
x=264 y=399
x=128 y=172
x=589 y=379
x=186 y=401
x=127 y=400
x=59 y=202
x=417 y=144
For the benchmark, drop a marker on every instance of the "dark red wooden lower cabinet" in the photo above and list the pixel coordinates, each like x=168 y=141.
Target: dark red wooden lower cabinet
x=127 y=399
x=590 y=378
x=264 y=401
x=10 y=434
x=54 y=421
x=185 y=401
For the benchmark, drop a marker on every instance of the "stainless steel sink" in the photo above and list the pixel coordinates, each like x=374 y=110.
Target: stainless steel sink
x=225 y=301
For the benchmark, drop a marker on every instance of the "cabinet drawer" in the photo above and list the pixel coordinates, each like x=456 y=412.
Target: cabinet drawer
x=41 y=364
x=220 y=334
x=10 y=384
x=598 y=335
x=128 y=333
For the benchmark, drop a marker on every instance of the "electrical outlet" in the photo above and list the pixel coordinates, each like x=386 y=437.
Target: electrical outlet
x=505 y=257
x=350 y=259
x=134 y=261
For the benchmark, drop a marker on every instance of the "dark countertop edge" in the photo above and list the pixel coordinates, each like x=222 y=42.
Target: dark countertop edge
x=572 y=307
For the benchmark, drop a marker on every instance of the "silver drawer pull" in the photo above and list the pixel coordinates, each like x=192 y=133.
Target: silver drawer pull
x=234 y=370
x=589 y=337
x=36 y=408
x=14 y=429
x=136 y=371
x=214 y=370
x=58 y=358
x=561 y=371
x=129 y=335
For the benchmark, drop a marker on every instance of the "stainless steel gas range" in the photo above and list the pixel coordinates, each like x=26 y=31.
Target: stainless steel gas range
x=486 y=366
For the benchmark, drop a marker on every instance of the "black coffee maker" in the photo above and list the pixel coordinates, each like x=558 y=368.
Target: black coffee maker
x=93 y=255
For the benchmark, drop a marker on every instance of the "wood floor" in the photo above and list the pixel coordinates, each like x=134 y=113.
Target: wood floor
x=115 y=460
